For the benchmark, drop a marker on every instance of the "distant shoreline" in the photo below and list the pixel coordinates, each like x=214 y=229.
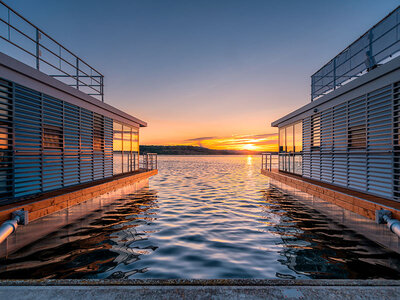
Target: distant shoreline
x=192 y=150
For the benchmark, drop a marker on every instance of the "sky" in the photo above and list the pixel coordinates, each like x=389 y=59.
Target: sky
x=206 y=73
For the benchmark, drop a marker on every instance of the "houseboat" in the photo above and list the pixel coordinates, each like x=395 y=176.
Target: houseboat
x=343 y=146
x=60 y=143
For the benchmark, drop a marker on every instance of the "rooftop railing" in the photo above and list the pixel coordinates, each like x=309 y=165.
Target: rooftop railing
x=22 y=40
x=378 y=45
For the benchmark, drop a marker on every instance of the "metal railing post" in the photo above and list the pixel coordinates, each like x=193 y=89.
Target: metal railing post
x=102 y=87
x=270 y=161
x=262 y=161
x=37 y=49
x=334 y=73
x=77 y=73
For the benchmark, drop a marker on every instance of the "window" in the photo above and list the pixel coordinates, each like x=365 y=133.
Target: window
x=298 y=137
x=52 y=137
x=289 y=139
x=282 y=140
x=125 y=150
x=357 y=137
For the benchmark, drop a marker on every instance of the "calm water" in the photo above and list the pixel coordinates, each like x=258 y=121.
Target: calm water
x=206 y=217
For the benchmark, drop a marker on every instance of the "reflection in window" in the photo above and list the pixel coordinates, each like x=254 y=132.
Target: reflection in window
x=282 y=140
x=125 y=148
x=289 y=139
x=298 y=137
x=290 y=148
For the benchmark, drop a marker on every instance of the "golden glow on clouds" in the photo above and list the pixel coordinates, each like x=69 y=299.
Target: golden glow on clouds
x=260 y=142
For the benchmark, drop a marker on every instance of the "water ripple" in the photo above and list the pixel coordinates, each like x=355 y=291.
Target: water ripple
x=206 y=217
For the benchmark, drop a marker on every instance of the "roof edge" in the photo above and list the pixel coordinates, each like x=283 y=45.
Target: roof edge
x=25 y=70
x=356 y=83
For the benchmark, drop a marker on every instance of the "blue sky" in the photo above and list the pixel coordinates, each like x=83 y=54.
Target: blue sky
x=195 y=69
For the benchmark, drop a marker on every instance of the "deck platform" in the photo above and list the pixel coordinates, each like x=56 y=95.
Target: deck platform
x=200 y=289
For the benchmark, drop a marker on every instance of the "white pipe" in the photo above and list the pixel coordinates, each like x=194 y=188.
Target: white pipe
x=392 y=224
x=8 y=227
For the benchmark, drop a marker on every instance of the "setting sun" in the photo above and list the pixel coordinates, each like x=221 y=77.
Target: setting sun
x=249 y=147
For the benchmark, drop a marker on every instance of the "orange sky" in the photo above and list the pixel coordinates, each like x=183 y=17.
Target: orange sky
x=261 y=142
x=225 y=132
x=248 y=129
x=210 y=73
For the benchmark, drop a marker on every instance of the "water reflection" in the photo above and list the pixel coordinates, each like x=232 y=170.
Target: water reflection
x=321 y=248
x=205 y=217
x=94 y=249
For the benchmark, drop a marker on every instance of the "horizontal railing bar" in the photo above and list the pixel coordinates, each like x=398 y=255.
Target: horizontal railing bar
x=14 y=26
x=367 y=32
x=345 y=58
x=66 y=73
x=45 y=34
x=73 y=76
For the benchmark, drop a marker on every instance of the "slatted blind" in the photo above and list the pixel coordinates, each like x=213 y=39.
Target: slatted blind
x=396 y=140
x=356 y=144
x=6 y=138
x=47 y=144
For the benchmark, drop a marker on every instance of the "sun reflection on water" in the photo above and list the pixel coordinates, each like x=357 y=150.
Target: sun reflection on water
x=205 y=217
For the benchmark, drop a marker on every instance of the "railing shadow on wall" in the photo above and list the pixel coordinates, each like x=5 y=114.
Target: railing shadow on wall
x=24 y=41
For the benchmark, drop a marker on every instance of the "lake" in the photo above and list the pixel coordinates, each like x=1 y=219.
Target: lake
x=205 y=217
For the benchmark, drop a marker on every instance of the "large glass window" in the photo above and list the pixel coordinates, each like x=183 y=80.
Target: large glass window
x=117 y=148
x=298 y=137
x=290 y=148
x=282 y=140
x=289 y=139
x=126 y=148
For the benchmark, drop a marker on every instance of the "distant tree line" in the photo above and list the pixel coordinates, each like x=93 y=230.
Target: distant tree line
x=191 y=150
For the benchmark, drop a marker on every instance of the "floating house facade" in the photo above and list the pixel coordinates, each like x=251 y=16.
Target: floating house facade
x=56 y=131
x=343 y=146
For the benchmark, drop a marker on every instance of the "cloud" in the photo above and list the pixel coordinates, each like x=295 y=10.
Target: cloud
x=201 y=139
x=266 y=141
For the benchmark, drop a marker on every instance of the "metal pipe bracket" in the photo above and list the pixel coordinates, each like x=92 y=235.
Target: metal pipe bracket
x=22 y=215
x=379 y=215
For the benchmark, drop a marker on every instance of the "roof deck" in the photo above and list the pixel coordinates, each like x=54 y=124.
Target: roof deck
x=24 y=41
x=378 y=45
